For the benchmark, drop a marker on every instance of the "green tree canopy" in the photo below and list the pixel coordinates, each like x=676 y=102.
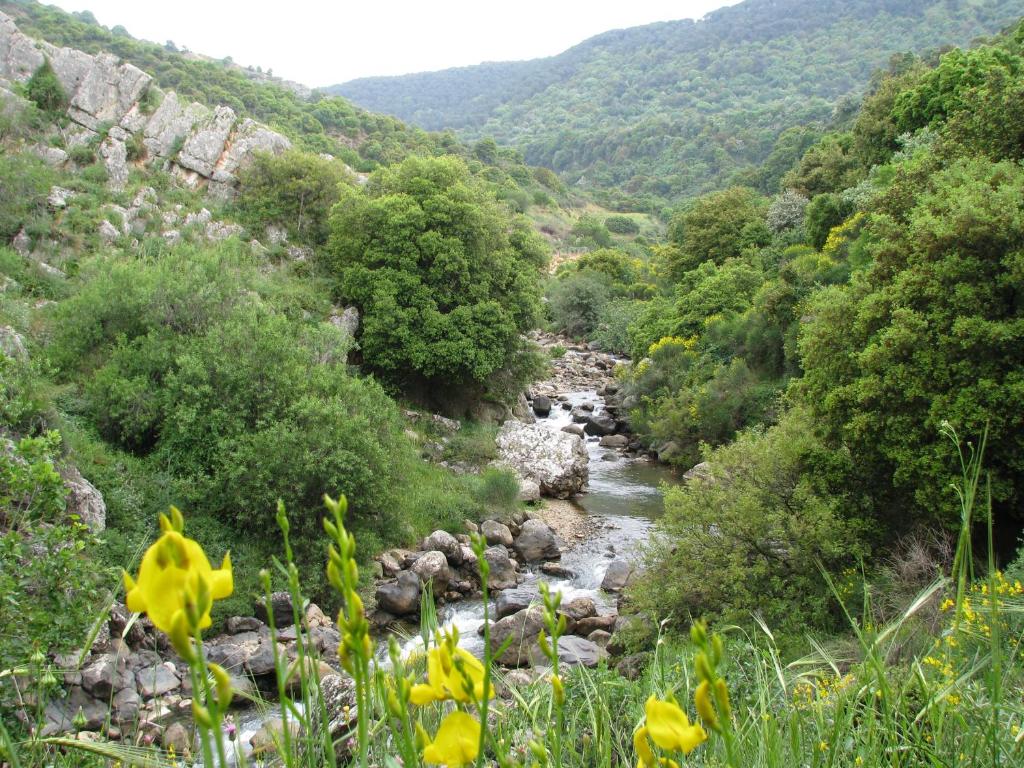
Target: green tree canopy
x=446 y=279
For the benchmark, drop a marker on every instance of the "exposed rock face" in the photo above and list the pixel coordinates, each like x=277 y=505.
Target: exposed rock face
x=536 y=542
x=103 y=90
x=556 y=461
x=85 y=501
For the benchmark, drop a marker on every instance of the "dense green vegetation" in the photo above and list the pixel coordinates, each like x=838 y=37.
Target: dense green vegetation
x=649 y=115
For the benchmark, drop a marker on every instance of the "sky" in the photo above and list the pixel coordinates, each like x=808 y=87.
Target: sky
x=323 y=43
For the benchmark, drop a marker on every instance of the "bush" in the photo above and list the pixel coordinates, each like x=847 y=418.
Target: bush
x=622 y=225
x=575 y=303
x=25 y=183
x=45 y=90
x=751 y=536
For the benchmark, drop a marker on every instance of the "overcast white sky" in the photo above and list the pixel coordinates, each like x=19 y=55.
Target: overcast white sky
x=322 y=43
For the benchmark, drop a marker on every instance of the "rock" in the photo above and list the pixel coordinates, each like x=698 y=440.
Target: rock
x=21 y=243
x=600 y=637
x=52 y=156
x=348 y=321
x=600 y=424
x=121 y=625
x=60 y=713
x=238 y=624
x=523 y=627
x=617 y=576
x=580 y=608
x=85 y=501
x=698 y=473
x=536 y=542
x=400 y=597
x=432 y=568
x=172 y=236
x=446 y=544
x=556 y=461
x=614 y=441
x=574 y=429
x=157 y=680
x=107 y=91
x=585 y=626
x=108 y=232
x=126 y=704
x=557 y=571
x=176 y=737
x=512 y=601
x=668 y=451
x=542 y=405
x=200 y=217
x=12 y=344
x=496 y=533
x=204 y=147
x=610 y=456
x=580 y=415
x=58 y=197
x=574 y=650
x=114 y=154
x=339 y=697
x=105 y=674
x=170 y=124
x=280 y=606
x=529 y=491
x=389 y=564
x=220 y=230
x=633 y=666
x=503 y=571
x=521 y=410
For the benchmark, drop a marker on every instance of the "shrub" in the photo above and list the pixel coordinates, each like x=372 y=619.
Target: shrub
x=575 y=303
x=622 y=225
x=45 y=90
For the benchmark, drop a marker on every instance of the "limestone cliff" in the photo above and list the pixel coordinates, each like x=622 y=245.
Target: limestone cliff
x=201 y=145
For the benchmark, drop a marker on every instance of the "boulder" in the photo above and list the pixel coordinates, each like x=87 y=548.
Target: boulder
x=536 y=542
x=12 y=344
x=633 y=666
x=556 y=461
x=280 y=607
x=523 y=628
x=238 y=624
x=204 y=147
x=698 y=473
x=58 y=197
x=108 y=232
x=512 y=601
x=170 y=124
x=542 y=405
x=588 y=625
x=557 y=571
x=503 y=571
x=668 y=451
x=617 y=576
x=574 y=429
x=432 y=568
x=580 y=608
x=496 y=533
x=529 y=490
x=446 y=544
x=114 y=154
x=339 y=699
x=125 y=705
x=85 y=501
x=614 y=441
x=600 y=637
x=157 y=680
x=105 y=674
x=60 y=713
x=573 y=650
x=600 y=424
x=347 y=320
x=176 y=737
x=400 y=597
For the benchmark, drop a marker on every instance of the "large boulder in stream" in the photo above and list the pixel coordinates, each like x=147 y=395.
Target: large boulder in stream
x=523 y=628
x=556 y=461
x=400 y=597
x=536 y=542
x=503 y=570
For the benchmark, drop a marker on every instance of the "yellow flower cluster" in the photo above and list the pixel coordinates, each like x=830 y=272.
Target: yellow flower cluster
x=453 y=673
x=667 y=725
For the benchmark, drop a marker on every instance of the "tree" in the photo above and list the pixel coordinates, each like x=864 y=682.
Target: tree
x=445 y=278
x=45 y=90
x=930 y=333
x=716 y=227
x=823 y=213
x=295 y=190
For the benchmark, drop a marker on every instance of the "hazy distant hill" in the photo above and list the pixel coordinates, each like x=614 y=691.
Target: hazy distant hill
x=674 y=108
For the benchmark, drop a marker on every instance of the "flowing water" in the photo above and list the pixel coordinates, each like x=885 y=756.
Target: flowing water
x=623 y=499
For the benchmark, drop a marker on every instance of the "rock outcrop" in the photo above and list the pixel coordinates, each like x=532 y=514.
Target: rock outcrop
x=556 y=461
x=200 y=145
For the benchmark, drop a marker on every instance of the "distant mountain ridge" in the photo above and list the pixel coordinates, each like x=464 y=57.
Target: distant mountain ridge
x=671 y=109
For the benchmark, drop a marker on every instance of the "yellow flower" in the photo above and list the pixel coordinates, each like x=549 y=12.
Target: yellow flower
x=172 y=568
x=457 y=742
x=445 y=679
x=670 y=728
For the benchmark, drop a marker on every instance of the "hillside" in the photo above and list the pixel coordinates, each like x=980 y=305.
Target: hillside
x=661 y=112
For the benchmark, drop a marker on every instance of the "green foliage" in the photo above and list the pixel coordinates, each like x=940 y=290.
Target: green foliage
x=823 y=213
x=660 y=113
x=827 y=166
x=591 y=231
x=48 y=579
x=927 y=334
x=750 y=535
x=716 y=227
x=445 y=280
x=294 y=191
x=24 y=185
x=576 y=301
x=622 y=225
x=45 y=91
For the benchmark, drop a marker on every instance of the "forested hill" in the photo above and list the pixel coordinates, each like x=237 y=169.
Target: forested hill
x=656 y=113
